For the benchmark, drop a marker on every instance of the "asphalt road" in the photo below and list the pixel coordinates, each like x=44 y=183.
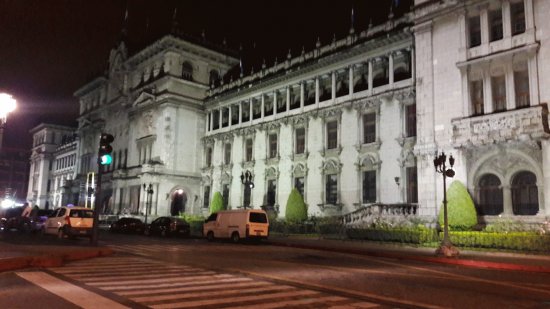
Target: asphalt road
x=167 y=273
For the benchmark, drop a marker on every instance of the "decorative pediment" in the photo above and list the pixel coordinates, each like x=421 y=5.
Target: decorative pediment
x=367 y=103
x=407 y=158
x=226 y=177
x=144 y=98
x=208 y=141
x=330 y=113
x=272 y=172
x=331 y=166
x=299 y=170
x=369 y=161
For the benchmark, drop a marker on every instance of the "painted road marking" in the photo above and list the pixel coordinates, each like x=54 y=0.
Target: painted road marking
x=70 y=292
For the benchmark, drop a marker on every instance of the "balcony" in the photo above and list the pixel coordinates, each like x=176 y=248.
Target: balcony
x=515 y=125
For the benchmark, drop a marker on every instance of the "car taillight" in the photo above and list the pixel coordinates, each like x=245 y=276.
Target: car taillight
x=247 y=230
x=67 y=221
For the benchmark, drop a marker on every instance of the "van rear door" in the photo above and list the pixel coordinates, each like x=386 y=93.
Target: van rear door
x=259 y=225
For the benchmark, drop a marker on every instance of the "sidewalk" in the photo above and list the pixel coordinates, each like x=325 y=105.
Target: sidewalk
x=467 y=258
x=23 y=255
x=19 y=256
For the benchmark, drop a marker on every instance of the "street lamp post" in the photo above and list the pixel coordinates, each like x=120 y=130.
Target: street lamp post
x=246 y=180
x=149 y=190
x=446 y=248
x=7 y=105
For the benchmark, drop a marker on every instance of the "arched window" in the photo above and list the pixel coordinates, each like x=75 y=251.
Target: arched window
x=214 y=78
x=187 y=71
x=525 y=197
x=490 y=196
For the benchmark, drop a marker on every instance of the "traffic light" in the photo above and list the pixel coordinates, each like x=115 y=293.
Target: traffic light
x=104 y=156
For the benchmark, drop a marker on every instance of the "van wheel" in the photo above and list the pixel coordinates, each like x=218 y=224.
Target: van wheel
x=210 y=236
x=235 y=237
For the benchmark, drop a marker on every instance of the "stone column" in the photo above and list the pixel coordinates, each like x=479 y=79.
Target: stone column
x=507 y=200
x=510 y=88
x=287 y=98
x=262 y=107
x=317 y=91
x=229 y=117
x=487 y=93
x=350 y=79
x=302 y=99
x=220 y=116
x=506 y=20
x=370 y=75
x=390 y=68
x=333 y=78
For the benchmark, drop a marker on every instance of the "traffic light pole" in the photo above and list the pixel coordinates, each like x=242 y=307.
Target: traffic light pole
x=97 y=205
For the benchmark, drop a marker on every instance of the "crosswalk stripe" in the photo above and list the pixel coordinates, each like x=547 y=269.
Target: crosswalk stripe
x=148 y=300
x=70 y=292
x=231 y=300
x=159 y=280
x=100 y=271
x=293 y=302
x=176 y=287
x=179 y=274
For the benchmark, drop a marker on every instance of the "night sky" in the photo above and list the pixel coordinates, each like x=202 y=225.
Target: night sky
x=49 y=49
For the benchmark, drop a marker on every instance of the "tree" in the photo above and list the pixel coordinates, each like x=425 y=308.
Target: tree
x=296 y=209
x=461 y=211
x=217 y=203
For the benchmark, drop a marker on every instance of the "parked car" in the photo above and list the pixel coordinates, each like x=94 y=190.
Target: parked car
x=128 y=225
x=237 y=224
x=168 y=226
x=12 y=219
x=38 y=219
x=70 y=222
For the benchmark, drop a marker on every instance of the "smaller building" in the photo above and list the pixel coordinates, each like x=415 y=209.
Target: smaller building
x=52 y=166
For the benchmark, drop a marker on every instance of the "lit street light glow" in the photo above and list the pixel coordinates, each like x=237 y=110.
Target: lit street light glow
x=7 y=105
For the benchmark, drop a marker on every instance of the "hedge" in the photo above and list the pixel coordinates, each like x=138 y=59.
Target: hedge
x=404 y=235
x=522 y=241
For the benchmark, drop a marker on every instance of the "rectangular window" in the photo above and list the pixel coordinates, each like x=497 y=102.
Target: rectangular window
x=521 y=85
x=410 y=120
x=208 y=156
x=518 y=18
x=299 y=183
x=309 y=93
x=360 y=78
x=281 y=101
x=295 y=97
x=474 y=29
x=225 y=117
x=412 y=185
x=272 y=145
x=268 y=106
x=248 y=150
x=331 y=189
x=476 y=97
x=369 y=128
x=325 y=88
x=271 y=192
x=369 y=187
x=206 y=199
x=245 y=111
x=216 y=120
x=495 y=24
x=300 y=140
x=234 y=114
x=498 y=86
x=256 y=108
x=227 y=154
x=225 y=195
x=332 y=134
x=342 y=83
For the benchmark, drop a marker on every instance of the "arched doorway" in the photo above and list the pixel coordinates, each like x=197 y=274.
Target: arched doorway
x=490 y=196
x=525 y=196
x=179 y=200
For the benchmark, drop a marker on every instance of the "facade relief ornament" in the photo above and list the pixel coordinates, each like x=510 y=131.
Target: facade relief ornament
x=331 y=166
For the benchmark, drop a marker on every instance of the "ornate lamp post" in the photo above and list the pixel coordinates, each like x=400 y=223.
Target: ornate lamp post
x=149 y=190
x=246 y=180
x=7 y=105
x=446 y=248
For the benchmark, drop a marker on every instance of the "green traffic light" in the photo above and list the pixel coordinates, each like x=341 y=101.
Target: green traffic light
x=106 y=159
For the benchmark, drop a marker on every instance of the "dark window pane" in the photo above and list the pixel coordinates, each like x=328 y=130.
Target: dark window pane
x=490 y=196
x=412 y=185
x=525 y=200
x=369 y=128
x=248 y=151
x=518 y=18
x=411 y=120
x=475 y=31
x=369 y=187
x=332 y=135
x=273 y=145
x=271 y=192
x=300 y=140
x=495 y=22
x=521 y=85
x=498 y=86
x=331 y=189
x=299 y=185
x=258 y=217
x=476 y=97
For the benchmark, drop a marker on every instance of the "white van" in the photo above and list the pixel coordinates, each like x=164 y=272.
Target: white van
x=70 y=222
x=237 y=224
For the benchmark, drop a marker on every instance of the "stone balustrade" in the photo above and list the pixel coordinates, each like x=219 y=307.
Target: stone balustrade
x=368 y=214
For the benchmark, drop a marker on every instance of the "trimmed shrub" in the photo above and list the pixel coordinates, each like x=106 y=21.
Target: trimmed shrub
x=217 y=203
x=461 y=211
x=296 y=209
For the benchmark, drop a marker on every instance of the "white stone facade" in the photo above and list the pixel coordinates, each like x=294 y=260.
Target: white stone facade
x=351 y=124
x=482 y=93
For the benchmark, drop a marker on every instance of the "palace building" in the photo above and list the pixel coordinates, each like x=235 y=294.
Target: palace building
x=353 y=125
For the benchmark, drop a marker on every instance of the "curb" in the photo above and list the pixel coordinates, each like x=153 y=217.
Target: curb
x=51 y=260
x=438 y=260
